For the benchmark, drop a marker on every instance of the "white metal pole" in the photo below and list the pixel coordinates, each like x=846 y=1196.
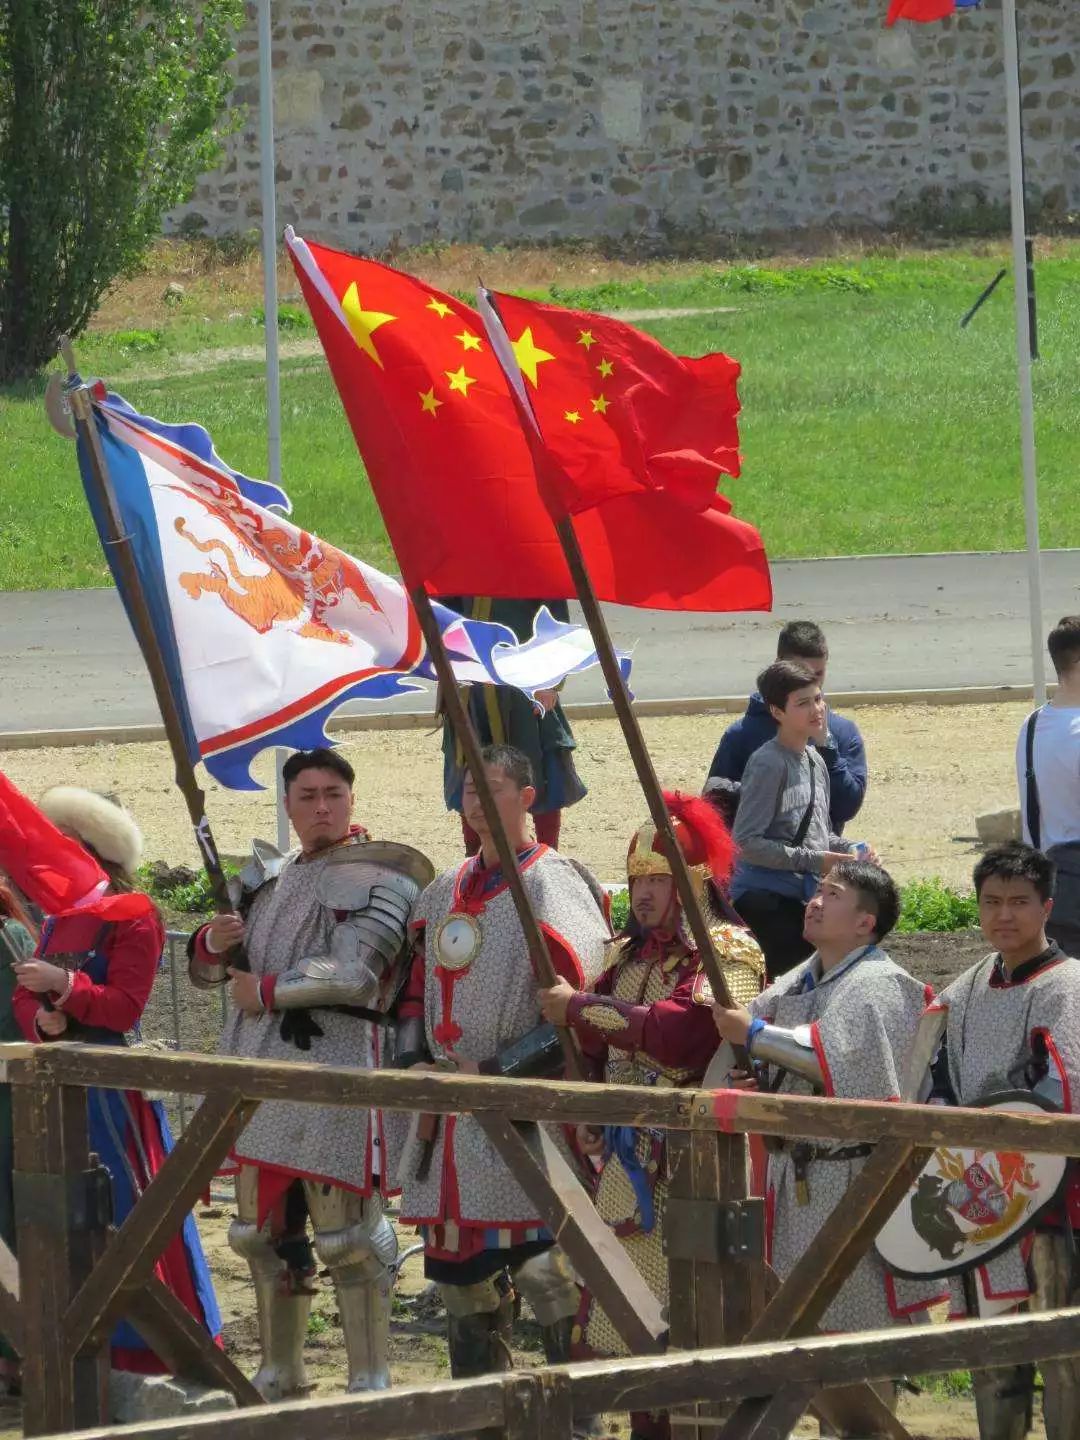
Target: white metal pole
x=267 y=166
x=1023 y=344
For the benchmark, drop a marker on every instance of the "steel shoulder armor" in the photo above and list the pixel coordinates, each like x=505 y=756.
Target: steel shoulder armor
x=370 y=888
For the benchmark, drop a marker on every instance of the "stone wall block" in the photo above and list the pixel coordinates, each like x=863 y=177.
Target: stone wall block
x=511 y=119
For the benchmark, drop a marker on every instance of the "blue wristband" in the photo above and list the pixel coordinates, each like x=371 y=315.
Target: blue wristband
x=753 y=1030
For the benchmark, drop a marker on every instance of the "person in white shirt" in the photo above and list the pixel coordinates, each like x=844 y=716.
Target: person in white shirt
x=1048 y=775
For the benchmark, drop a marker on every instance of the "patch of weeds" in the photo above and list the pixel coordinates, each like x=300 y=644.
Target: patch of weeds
x=932 y=905
x=137 y=342
x=179 y=889
x=950 y=1385
x=317 y=1325
x=290 y=317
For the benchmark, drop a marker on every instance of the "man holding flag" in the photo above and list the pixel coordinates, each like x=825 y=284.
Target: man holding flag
x=324 y=934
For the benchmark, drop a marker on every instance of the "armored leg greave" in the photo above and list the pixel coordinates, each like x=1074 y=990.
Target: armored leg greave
x=282 y=1311
x=357 y=1244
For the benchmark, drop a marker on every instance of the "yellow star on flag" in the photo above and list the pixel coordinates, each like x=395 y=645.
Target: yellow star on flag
x=528 y=354
x=363 y=323
x=428 y=402
x=573 y=416
x=469 y=340
x=459 y=380
x=440 y=307
x=600 y=405
x=606 y=368
x=586 y=339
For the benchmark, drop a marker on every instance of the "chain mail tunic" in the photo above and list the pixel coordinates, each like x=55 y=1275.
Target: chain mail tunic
x=285 y=926
x=863 y=1016
x=991 y=1026
x=473 y=1012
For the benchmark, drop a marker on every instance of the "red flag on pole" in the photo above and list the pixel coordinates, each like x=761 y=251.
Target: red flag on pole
x=453 y=474
x=53 y=870
x=625 y=434
x=923 y=10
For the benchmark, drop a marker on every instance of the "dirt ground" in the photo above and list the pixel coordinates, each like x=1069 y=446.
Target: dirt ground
x=932 y=769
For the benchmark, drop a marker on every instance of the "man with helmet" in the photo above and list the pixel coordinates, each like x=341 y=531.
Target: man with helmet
x=324 y=933
x=648 y=1021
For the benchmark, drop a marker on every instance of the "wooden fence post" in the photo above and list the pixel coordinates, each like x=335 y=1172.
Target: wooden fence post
x=712 y=1295
x=58 y=1237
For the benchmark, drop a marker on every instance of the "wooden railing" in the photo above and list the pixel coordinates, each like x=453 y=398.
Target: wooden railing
x=74 y=1278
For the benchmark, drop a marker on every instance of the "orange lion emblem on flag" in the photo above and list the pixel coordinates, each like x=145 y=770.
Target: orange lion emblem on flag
x=307 y=580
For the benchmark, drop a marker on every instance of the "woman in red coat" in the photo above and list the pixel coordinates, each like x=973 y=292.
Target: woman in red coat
x=96 y=995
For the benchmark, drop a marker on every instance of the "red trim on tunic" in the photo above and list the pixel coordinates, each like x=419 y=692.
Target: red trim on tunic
x=895 y=1308
x=819 y=1051
x=928 y=997
x=292 y=1174
x=1055 y=1053
x=998 y=983
x=564 y=958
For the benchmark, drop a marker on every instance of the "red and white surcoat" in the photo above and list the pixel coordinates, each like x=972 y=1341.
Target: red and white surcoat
x=473 y=1010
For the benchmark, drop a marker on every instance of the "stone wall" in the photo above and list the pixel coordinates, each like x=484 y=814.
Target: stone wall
x=494 y=120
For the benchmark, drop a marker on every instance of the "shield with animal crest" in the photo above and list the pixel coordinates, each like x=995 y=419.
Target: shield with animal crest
x=969 y=1204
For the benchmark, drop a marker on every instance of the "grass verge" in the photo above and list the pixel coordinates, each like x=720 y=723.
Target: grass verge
x=871 y=422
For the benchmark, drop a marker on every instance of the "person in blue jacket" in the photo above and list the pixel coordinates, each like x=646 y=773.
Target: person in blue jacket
x=843 y=751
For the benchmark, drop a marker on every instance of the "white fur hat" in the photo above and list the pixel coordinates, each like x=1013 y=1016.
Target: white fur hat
x=100 y=823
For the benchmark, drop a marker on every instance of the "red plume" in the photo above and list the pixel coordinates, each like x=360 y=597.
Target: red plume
x=701 y=832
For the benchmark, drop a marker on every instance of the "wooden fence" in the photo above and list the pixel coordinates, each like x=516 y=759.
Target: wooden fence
x=75 y=1278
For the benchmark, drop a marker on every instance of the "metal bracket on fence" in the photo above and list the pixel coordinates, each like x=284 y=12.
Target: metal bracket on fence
x=708 y=1232
x=66 y=1202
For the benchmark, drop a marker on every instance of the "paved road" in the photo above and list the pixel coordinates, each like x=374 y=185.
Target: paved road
x=912 y=622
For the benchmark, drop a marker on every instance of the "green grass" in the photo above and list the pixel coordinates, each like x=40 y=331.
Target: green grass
x=871 y=422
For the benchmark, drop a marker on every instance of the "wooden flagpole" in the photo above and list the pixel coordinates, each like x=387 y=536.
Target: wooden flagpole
x=639 y=754
x=466 y=736
x=122 y=554
x=620 y=695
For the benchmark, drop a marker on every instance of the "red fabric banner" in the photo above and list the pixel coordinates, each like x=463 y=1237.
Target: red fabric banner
x=453 y=475
x=53 y=870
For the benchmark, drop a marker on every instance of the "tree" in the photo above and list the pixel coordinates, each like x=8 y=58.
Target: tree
x=110 y=110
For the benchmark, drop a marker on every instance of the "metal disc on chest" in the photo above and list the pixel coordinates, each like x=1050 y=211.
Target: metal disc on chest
x=458 y=939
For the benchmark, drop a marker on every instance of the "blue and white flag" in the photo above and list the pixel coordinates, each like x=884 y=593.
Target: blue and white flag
x=265 y=628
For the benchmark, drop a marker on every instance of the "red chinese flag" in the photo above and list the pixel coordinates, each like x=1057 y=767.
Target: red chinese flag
x=452 y=471
x=923 y=10
x=634 y=439
x=51 y=869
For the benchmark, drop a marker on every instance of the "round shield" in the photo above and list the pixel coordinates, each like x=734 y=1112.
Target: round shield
x=968 y=1205
x=457 y=941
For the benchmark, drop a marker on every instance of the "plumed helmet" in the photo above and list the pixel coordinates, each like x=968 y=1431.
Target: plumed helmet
x=703 y=838
x=101 y=824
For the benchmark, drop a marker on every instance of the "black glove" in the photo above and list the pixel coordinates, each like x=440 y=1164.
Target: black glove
x=301 y=1028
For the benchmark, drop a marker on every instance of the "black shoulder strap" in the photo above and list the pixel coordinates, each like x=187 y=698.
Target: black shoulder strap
x=808 y=813
x=1034 y=814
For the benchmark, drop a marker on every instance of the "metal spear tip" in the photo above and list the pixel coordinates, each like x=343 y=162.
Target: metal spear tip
x=67 y=354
